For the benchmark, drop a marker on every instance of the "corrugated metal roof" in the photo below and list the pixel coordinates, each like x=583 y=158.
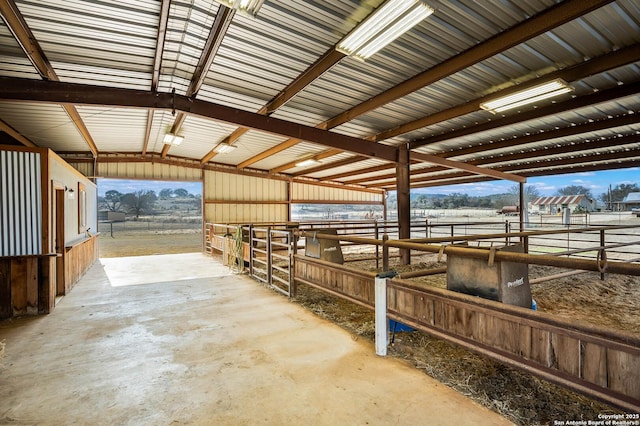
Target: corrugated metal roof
x=113 y=44
x=564 y=199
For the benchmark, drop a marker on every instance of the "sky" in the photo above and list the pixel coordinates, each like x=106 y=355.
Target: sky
x=127 y=186
x=597 y=182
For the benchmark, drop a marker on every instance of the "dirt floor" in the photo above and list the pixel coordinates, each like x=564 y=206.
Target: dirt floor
x=520 y=397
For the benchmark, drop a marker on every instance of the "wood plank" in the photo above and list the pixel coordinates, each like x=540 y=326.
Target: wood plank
x=507 y=336
x=6 y=308
x=541 y=347
x=566 y=351
x=31 y=285
x=424 y=310
x=624 y=372
x=594 y=363
x=18 y=286
x=524 y=341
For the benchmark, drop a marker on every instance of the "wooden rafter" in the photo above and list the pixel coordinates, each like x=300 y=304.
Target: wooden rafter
x=580 y=102
x=31 y=48
x=538 y=24
x=15 y=134
x=209 y=52
x=593 y=66
x=324 y=63
x=163 y=21
x=596 y=65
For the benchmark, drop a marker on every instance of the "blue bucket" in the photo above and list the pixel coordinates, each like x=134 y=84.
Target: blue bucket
x=398 y=326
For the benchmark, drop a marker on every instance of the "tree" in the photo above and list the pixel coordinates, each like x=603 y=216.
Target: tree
x=140 y=202
x=618 y=193
x=575 y=190
x=113 y=200
x=166 y=193
x=180 y=192
x=530 y=193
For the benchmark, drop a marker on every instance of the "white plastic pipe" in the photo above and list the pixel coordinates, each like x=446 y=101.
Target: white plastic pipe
x=382 y=325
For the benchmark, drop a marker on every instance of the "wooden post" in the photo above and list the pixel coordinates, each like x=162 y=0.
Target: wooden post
x=377 y=236
x=602 y=241
x=385 y=253
x=269 y=260
x=251 y=253
x=404 y=201
x=293 y=239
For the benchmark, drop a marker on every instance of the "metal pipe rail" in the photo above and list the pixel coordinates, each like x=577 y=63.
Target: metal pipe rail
x=601 y=264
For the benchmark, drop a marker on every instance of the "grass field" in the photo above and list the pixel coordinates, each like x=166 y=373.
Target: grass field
x=148 y=243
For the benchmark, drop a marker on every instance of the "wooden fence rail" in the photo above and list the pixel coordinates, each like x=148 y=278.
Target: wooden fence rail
x=598 y=362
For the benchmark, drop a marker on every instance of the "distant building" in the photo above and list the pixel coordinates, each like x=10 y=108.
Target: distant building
x=631 y=201
x=554 y=205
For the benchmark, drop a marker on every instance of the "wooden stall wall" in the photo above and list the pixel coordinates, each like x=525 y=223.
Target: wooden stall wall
x=78 y=258
x=27 y=285
x=51 y=210
x=599 y=362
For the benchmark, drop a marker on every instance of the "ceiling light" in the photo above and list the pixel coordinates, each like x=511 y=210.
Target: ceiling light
x=247 y=7
x=527 y=96
x=308 y=162
x=172 y=139
x=383 y=26
x=224 y=148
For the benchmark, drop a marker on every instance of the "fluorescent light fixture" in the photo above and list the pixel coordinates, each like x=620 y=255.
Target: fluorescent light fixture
x=247 y=7
x=528 y=96
x=307 y=162
x=383 y=26
x=172 y=139
x=223 y=148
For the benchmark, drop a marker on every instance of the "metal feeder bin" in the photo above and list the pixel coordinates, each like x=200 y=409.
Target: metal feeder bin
x=322 y=248
x=505 y=282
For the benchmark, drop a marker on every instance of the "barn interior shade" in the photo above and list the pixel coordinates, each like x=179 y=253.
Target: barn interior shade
x=383 y=26
x=528 y=96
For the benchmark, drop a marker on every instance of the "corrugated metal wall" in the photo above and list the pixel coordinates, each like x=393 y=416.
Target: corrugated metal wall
x=20 y=203
x=307 y=193
x=233 y=198
x=151 y=171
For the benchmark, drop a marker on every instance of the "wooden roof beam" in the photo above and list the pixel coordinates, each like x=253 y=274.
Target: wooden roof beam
x=327 y=166
x=594 y=66
x=317 y=157
x=575 y=103
x=520 y=33
x=468 y=167
x=322 y=65
x=58 y=92
x=539 y=24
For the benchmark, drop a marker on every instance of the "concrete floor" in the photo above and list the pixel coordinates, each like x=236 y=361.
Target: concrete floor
x=176 y=339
